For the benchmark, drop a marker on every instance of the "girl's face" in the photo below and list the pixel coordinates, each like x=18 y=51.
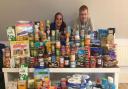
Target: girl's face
x=58 y=20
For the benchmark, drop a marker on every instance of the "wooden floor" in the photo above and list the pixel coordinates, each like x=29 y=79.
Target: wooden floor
x=123 y=86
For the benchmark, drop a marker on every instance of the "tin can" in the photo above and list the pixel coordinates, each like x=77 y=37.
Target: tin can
x=82 y=63
x=76 y=32
x=72 y=57
x=77 y=42
x=99 y=62
x=63 y=83
x=82 y=34
x=87 y=51
x=82 y=43
x=87 y=62
x=67 y=37
x=56 y=65
x=41 y=62
x=53 y=37
x=61 y=61
x=57 y=35
x=57 y=58
x=67 y=40
x=68 y=50
x=66 y=61
x=17 y=62
x=31 y=44
x=53 y=57
x=53 y=47
x=73 y=64
x=63 y=50
x=92 y=62
x=57 y=52
x=87 y=40
x=53 y=32
x=7 y=52
x=58 y=44
x=67 y=43
x=23 y=60
x=49 y=59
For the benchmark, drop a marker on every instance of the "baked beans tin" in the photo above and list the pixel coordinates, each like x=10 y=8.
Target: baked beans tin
x=73 y=64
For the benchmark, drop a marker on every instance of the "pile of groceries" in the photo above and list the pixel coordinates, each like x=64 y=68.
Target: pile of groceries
x=38 y=46
x=41 y=80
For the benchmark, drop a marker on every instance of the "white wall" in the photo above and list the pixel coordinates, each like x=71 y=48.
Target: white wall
x=104 y=13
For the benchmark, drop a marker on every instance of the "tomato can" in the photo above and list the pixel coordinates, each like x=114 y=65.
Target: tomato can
x=92 y=62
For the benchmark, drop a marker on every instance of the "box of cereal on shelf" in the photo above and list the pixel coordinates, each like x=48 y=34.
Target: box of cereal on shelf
x=19 y=48
x=24 y=30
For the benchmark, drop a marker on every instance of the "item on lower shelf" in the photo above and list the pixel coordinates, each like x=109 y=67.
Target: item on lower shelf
x=23 y=72
x=76 y=81
x=41 y=77
x=22 y=84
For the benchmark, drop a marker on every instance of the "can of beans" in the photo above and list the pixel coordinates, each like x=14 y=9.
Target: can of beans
x=61 y=61
x=73 y=64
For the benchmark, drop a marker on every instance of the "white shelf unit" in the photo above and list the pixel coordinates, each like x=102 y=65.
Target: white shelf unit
x=114 y=71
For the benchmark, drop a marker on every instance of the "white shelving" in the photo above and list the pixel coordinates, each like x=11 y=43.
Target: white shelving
x=70 y=70
x=115 y=72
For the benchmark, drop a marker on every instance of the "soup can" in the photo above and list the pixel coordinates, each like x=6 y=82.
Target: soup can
x=73 y=64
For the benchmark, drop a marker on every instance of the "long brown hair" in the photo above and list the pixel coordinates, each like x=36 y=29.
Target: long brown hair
x=59 y=13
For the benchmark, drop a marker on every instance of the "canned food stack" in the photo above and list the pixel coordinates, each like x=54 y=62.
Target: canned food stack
x=39 y=46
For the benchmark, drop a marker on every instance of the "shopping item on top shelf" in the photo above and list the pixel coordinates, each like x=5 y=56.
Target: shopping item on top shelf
x=19 y=48
x=11 y=33
x=6 y=57
x=38 y=46
x=24 y=30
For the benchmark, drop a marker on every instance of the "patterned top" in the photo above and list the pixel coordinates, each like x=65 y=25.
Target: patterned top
x=87 y=27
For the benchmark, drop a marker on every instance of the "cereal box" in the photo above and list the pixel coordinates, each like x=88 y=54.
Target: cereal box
x=19 y=48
